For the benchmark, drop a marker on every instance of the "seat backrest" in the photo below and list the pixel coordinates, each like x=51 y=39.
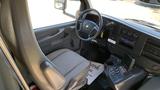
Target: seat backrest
x=8 y=80
x=17 y=32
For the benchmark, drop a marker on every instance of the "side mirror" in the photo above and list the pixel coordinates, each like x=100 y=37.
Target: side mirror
x=66 y=6
x=59 y=4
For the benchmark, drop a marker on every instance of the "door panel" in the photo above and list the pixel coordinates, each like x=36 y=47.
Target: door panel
x=56 y=37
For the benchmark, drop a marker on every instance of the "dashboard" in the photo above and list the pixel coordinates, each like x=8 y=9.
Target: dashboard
x=129 y=38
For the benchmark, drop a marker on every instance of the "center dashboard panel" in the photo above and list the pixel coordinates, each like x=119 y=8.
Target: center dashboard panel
x=123 y=40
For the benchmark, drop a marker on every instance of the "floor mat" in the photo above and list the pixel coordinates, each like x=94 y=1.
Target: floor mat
x=101 y=83
x=95 y=70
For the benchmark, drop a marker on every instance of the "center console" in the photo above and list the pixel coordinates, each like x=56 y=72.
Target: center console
x=122 y=73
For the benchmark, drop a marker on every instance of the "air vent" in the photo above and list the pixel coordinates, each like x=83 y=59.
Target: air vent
x=152 y=50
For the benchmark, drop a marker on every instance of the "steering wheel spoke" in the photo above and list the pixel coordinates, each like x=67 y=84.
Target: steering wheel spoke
x=91 y=33
x=79 y=25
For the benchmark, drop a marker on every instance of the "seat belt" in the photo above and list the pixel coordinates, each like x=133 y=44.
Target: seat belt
x=10 y=62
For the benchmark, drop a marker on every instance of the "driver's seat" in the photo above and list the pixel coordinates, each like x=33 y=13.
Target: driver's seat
x=72 y=66
x=62 y=69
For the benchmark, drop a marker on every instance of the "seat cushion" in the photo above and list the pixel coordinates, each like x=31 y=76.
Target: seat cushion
x=69 y=64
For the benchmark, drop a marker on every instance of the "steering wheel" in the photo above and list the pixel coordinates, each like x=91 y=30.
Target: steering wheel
x=87 y=29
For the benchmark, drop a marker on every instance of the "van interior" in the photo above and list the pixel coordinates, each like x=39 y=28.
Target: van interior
x=95 y=51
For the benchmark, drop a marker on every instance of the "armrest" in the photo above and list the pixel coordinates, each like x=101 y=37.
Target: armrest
x=56 y=80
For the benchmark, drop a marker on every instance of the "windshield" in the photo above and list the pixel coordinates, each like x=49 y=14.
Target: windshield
x=141 y=11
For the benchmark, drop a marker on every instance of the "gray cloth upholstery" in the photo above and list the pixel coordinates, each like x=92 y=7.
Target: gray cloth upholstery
x=152 y=84
x=72 y=66
x=7 y=78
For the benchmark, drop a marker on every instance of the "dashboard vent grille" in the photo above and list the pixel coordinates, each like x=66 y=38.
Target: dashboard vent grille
x=152 y=50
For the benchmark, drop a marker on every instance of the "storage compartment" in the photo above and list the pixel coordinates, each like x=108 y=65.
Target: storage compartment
x=120 y=77
x=152 y=50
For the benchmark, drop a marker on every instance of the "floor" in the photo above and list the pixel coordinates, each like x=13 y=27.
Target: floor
x=101 y=83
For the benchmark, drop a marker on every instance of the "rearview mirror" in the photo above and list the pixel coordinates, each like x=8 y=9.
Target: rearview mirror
x=59 y=4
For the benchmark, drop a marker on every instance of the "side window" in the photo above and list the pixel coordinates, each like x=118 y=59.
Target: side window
x=43 y=12
x=72 y=6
